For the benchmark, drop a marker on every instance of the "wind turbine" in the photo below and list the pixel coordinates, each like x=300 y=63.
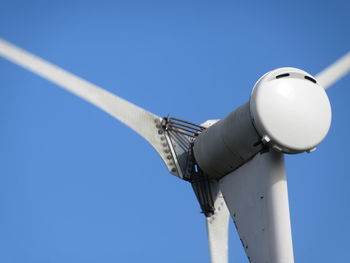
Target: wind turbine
x=235 y=165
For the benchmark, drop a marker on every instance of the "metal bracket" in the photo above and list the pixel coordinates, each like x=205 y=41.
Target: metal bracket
x=179 y=135
x=202 y=188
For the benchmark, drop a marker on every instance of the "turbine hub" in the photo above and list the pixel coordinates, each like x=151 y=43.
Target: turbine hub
x=290 y=110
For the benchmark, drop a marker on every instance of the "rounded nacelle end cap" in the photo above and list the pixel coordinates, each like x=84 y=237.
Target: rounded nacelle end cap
x=290 y=110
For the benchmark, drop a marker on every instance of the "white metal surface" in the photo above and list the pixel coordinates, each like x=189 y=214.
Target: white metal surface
x=141 y=121
x=257 y=197
x=334 y=72
x=217 y=228
x=291 y=113
x=226 y=145
x=218 y=223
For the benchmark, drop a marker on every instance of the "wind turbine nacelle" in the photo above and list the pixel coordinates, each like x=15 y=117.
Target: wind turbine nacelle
x=288 y=111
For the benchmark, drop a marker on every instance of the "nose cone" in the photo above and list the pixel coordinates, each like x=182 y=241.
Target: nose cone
x=290 y=110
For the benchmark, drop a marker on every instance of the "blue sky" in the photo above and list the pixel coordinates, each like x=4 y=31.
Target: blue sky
x=78 y=186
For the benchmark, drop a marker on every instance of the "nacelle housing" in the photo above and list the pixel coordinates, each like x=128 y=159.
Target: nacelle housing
x=288 y=111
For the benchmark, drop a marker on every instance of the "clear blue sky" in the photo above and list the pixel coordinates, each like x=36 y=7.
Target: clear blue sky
x=78 y=186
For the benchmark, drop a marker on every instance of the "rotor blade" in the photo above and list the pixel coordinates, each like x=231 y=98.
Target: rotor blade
x=141 y=121
x=334 y=72
x=257 y=198
x=217 y=227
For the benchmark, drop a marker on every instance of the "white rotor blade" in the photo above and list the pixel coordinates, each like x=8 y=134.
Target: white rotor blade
x=143 y=122
x=257 y=197
x=217 y=227
x=334 y=72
